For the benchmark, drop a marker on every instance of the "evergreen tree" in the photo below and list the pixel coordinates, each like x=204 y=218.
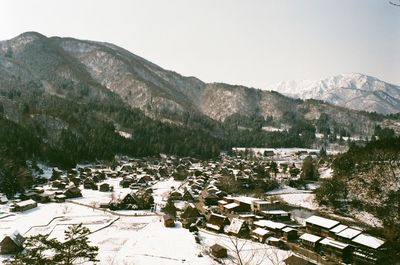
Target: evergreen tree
x=43 y=251
x=170 y=208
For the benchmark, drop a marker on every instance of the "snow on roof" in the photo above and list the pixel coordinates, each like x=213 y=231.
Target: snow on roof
x=321 y=221
x=247 y=200
x=368 y=241
x=261 y=232
x=235 y=225
x=333 y=243
x=25 y=203
x=349 y=233
x=288 y=229
x=231 y=205
x=214 y=227
x=310 y=238
x=277 y=212
x=338 y=229
x=271 y=238
x=269 y=224
x=262 y=202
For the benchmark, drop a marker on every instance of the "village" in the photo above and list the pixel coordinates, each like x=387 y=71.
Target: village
x=201 y=210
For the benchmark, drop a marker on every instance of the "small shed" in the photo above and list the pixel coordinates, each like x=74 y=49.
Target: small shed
x=24 y=205
x=169 y=221
x=219 y=251
x=295 y=260
x=12 y=243
x=289 y=233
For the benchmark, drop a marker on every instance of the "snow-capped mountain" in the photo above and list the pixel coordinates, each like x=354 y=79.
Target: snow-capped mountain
x=354 y=91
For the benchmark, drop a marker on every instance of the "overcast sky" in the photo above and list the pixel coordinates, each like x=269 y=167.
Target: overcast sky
x=248 y=42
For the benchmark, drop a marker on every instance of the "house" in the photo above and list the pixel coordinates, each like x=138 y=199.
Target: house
x=73 y=192
x=245 y=203
x=189 y=196
x=129 y=199
x=23 y=206
x=12 y=244
x=175 y=195
x=238 y=227
x=169 y=221
x=310 y=241
x=273 y=241
x=217 y=222
x=259 y=205
x=211 y=199
x=367 y=249
x=295 y=260
x=260 y=234
x=60 y=198
x=276 y=215
x=232 y=207
x=89 y=183
x=190 y=215
x=271 y=225
x=289 y=233
x=319 y=225
x=336 y=250
x=105 y=187
x=218 y=251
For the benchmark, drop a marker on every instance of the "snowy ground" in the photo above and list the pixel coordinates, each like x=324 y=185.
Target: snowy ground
x=296 y=197
x=125 y=237
x=251 y=252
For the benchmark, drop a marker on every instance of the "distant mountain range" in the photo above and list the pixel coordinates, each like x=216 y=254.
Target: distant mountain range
x=354 y=91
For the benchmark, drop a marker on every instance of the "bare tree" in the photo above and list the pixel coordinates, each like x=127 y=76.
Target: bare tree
x=246 y=252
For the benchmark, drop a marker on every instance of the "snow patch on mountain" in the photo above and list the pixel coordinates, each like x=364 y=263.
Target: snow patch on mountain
x=354 y=90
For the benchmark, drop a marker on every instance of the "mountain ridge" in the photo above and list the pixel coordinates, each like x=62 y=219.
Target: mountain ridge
x=67 y=91
x=353 y=90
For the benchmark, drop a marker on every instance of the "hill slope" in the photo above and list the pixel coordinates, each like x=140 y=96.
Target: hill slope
x=79 y=99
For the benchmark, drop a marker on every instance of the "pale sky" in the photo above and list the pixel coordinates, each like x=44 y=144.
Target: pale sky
x=249 y=42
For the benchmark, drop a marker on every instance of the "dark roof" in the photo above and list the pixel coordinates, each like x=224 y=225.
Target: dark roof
x=16 y=238
x=190 y=212
x=217 y=247
x=295 y=260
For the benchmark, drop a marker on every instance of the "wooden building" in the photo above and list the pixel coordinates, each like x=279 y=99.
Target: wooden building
x=295 y=260
x=23 y=206
x=219 y=251
x=310 y=241
x=290 y=234
x=319 y=225
x=169 y=221
x=238 y=227
x=12 y=244
x=217 y=222
x=260 y=234
x=336 y=250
